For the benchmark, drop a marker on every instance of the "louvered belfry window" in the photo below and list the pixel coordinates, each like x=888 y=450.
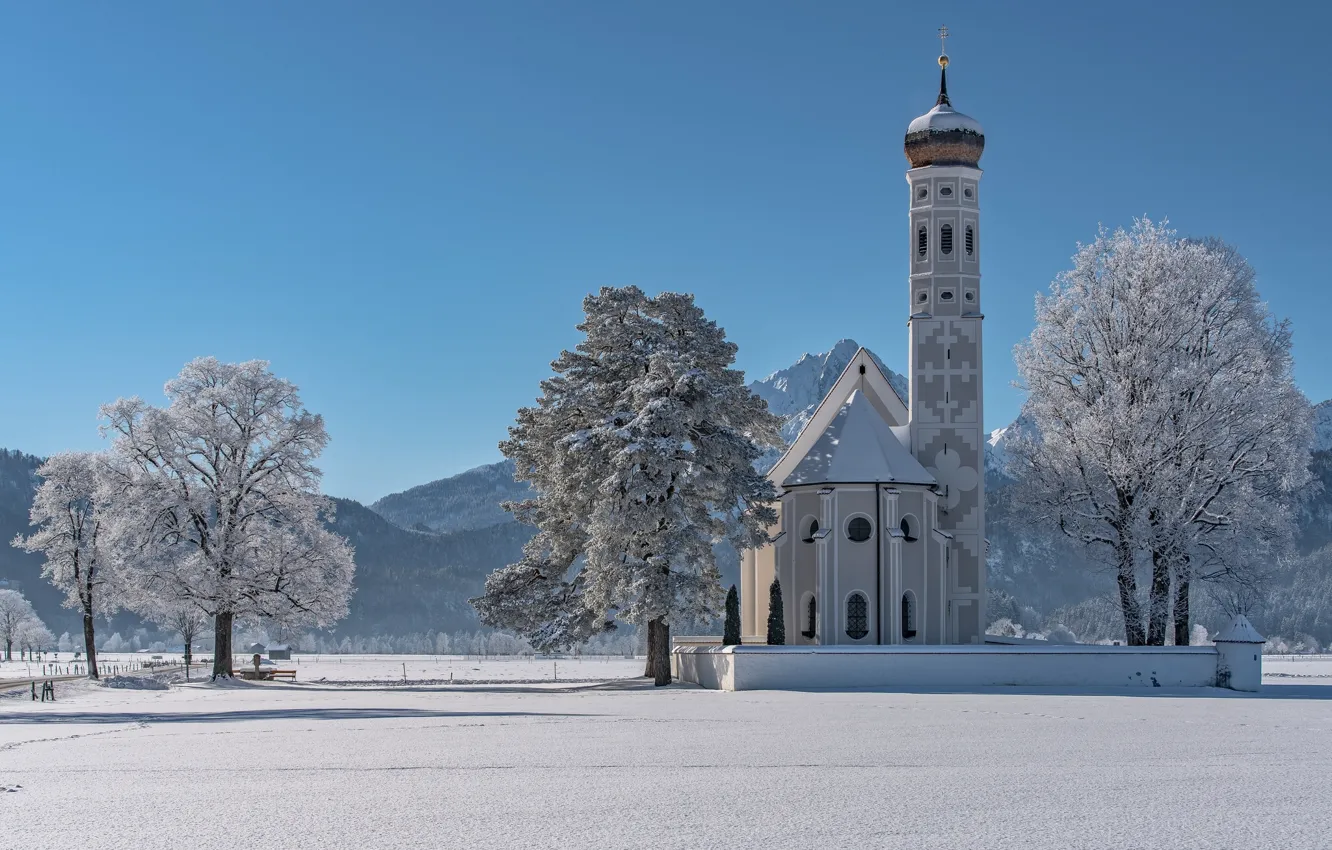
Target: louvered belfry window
x=971 y=241
x=946 y=239
x=857 y=616
x=922 y=241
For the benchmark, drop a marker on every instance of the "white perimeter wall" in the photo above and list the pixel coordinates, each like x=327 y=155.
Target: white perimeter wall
x=738 y=668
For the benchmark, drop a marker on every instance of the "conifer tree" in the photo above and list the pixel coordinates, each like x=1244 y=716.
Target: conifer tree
x=731 y=636
x=776 y=617
x=642 y=452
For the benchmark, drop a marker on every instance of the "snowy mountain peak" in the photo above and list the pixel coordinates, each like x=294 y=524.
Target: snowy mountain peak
x=794 y=393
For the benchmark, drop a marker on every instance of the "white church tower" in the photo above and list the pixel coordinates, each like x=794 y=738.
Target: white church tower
x=881 y=533
x=946 y=402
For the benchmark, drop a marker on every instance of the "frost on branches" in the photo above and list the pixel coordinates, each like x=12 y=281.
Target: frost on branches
x=20 y=626
x=1169 y=433
x=68 y=533
x=215 y=499
x=642 y=451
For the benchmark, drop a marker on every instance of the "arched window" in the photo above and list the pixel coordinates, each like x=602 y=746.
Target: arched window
x=910 y=528
x=946 y=239
x=922 y=241
x=857 y=616
x=811 y=529
x=908 y=615
x=811 y=617
x=858 y=530
x=971 y=241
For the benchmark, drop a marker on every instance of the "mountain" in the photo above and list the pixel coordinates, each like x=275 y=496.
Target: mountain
x=412 y=581
x=468 y=500
x=18 y=569
x=794 y=393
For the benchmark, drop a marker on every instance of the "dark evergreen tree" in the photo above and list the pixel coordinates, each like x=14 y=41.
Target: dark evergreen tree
x=776 y=618
x=731 y=637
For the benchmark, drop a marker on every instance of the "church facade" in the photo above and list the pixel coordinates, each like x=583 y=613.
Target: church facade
x=881 y=530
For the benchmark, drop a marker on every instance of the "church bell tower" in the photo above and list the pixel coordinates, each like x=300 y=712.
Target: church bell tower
x=946 y=422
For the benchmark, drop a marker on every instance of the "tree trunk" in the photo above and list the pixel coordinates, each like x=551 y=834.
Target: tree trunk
x=659 y=636
x=1158 y=611
x=9 y=650
x=89 y=646
x=1182 y=611
x=188 y=637
x=222 y=644
x=1128 y=598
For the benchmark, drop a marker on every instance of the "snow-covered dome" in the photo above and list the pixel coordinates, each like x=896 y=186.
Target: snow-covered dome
x=944 y=136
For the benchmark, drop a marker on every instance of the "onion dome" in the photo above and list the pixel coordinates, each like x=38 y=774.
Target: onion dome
x=944 y=136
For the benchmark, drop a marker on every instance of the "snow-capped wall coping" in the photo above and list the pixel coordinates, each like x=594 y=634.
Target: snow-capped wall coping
x=736 y=668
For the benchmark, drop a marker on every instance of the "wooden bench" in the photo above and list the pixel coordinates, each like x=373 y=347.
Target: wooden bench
x=265 y=674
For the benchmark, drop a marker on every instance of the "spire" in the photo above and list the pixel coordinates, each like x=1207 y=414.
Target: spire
x=943 y=68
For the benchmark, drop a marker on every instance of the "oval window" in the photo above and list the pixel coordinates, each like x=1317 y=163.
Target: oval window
x=944 y=191
x=908 y=526
x=946 y=295
x=811 y=531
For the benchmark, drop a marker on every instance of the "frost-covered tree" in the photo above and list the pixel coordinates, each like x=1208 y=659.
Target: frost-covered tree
x=66 y=643
x=16 y=618
x=642 y=452
x=215 y=499
x=69 y=524
x=1163 y=412
x=776 y=615
x=182 y=618
x=731 y=632
x=34 y=636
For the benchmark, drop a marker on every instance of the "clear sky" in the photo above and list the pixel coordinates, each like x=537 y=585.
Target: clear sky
x=401 y=205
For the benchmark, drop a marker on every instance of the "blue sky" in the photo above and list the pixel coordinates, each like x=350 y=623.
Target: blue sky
x=402 y=205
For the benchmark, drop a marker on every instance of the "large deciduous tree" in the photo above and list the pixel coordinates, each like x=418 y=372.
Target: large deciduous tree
x=217 y=498
x=1165 y=415
x=641 y=450
x=69 y=534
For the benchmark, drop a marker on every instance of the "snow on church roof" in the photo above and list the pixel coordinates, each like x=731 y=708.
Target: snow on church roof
x=858 y=447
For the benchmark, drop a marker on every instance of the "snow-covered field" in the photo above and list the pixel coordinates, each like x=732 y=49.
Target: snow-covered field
x=375 y=669
x=620 y=764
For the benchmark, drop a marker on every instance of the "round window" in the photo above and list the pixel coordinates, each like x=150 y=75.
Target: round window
x=859 y=529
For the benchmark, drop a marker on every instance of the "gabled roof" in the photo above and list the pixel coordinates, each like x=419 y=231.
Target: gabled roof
x=857 y=446
x=862 y=374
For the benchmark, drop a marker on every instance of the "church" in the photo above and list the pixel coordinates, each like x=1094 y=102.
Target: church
x=881 y=530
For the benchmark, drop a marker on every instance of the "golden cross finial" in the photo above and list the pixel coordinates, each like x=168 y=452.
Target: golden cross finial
x=943 y=47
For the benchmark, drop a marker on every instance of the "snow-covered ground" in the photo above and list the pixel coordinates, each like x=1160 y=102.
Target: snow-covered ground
x=266 y=765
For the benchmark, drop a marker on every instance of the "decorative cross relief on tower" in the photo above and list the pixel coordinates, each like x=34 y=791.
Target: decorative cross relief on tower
x=946 y=405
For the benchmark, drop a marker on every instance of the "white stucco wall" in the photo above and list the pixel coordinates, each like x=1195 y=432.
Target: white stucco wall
x=735 y=668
